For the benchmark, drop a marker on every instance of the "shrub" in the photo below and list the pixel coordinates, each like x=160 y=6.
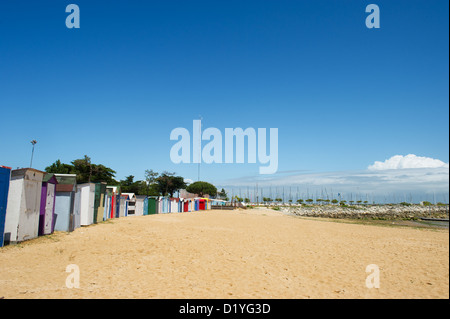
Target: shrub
x=405 y=204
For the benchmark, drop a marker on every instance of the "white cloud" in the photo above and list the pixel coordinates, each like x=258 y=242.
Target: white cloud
x=408 y=161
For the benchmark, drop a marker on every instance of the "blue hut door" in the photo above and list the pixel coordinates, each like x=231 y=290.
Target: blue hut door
x=4 y=187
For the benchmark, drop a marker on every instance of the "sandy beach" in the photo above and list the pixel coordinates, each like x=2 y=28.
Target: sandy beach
x=255 y=253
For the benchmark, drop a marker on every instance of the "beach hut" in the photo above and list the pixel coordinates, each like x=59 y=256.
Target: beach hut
x=5 y=175
x=180 y=205
x=99 y=202
x=111 y=206
x=157 y=205
x=123 y=206
x=64 y=202
x=47 y=216
x=152 y=205
x=24 y=201
x=185 y=204
x=173 y=205
x=145 y=208
x=140 y=203
x=107 y=210
x=196 y=204
x=202 y=204
x=85 y=203
x=118 y=201
x=163 y=205
x=131 y=204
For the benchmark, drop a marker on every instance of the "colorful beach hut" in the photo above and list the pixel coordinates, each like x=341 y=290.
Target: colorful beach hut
x=118 y=201
x=112 y=193
x=5 y=175
x=85 y=203
x=185 y=204
x=99 y=202
x=47 y=218
x=152 y=205
x=107 y=210
x=163 y=205
x=145 y=208
x=140 y=201
x=123 y=206
x=131 y=204
x=202 y=204
x=24 y=201
x=196 y=204
x=173 y=205
x=64 y=202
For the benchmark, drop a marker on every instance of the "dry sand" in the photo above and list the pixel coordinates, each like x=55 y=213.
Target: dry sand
x=229 y=254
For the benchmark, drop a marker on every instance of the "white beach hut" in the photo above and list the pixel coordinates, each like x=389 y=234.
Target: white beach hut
x=84 y=203
x=24 y=199
x=140 y=200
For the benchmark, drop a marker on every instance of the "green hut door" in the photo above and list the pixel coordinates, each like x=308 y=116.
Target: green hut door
x=151 y=206
x=96 y=202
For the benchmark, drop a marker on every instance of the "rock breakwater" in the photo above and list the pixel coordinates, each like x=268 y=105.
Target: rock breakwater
x=389 y=212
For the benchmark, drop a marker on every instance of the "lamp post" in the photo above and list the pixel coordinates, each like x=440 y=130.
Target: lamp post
x=33 y=142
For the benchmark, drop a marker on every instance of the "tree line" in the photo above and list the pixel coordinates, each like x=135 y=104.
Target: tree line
x=154 y=184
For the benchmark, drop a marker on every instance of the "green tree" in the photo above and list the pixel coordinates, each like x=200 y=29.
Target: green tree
x=168 y=183
x=85 y=171
x=237 y=198
x=202 y=188
x=299 y=201
x=334 y=201
x=309 y=200
x=150 y=186
x=223 y=194
x=130 y=186
x=59 y=168
x=88 y=172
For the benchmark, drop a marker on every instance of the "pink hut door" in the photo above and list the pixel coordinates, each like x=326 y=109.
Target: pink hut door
x=49 y=208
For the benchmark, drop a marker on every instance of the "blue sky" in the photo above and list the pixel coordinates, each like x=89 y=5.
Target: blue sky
x=341 y=95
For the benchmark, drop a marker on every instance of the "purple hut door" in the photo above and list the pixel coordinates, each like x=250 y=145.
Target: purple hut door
x=49 y=205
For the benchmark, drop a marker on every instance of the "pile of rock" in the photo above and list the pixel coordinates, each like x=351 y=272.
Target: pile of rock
x=372 y=212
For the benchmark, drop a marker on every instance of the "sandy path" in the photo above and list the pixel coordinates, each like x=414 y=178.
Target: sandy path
x=229 y=254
